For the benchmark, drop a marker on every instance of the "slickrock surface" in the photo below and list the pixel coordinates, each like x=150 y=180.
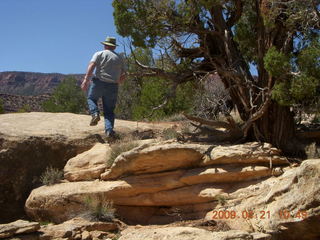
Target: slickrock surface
x=31 y=142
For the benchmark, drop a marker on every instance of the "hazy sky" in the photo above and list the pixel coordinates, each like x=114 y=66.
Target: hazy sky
x=53 y=35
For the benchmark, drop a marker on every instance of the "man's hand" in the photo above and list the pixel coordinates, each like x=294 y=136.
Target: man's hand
x=84 y=84
x=122 y=78
x=86 y=81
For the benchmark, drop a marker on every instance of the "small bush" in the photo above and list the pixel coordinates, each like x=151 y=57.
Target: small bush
x=25 y=108
x=169 y=133
x=67 y=97
x=221 y=199
x=99 y=208
x=118 y=148
x=51 y=176
x=186 y=128
x=1 y=107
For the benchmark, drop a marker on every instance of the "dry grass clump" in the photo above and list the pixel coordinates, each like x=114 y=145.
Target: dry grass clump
x=99 y=208
x=169 y=133
x=120 y=147
x=51 y=176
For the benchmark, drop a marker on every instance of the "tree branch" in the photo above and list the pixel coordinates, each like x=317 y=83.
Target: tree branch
x=235 y=15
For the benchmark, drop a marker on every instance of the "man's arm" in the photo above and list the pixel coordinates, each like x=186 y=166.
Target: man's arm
x=89 y=73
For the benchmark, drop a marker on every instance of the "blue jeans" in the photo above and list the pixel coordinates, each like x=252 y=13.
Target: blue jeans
x=108 y=92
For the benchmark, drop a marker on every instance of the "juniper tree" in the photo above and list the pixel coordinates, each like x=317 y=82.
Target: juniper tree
x=279 y=37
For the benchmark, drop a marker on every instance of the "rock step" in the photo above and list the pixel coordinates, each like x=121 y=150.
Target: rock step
x=153 y=157
x=18 y=227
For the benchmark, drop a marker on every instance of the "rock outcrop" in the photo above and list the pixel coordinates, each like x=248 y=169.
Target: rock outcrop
x=31 y=142
x=76 y=228
x=159 y=181
x=287 y=206
x=18 y=227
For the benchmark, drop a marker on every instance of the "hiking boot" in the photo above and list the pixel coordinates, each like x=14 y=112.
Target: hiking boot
x=94 y=120
x=111 y=136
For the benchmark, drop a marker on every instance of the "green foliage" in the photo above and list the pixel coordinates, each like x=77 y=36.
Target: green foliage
x=277 y=37
x=281 y=93
x=276 y=63
x=1 y=107
x=25 y=108
x=303 y=87
x=246 y=35
x=119 y=148
x=67 y=97
x=153 y=92
x=309 y=59
x=100 y=208
x=51 y=176
x=139 y=95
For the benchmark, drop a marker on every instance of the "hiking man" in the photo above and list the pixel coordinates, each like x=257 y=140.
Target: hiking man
x=109 y=72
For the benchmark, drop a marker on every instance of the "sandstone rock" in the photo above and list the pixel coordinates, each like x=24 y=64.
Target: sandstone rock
x=287 y=207
x=86 y=235
x=75 y=228
x=182 y=233
x=87 y=165
x=67 y=126
x=164 y=157
x=249 y=153
x=18 y=227
x=227 y=173
x=160 y=175
x=155 y=158
x=30 y=142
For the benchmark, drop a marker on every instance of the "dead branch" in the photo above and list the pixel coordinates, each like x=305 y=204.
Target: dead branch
x=256 y=116
x=215 y=124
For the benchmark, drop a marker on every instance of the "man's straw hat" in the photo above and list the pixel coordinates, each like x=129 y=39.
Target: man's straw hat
x=110 y=41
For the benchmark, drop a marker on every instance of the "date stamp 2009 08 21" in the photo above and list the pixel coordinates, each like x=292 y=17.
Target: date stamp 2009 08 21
x=249 y=214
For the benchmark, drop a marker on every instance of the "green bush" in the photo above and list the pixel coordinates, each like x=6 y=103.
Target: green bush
x=51 y=176
x=67 y=97
x=153 y=93
x=25 y=108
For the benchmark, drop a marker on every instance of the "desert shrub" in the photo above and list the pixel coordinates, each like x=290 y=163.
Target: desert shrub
x=1 y=107
x=51 y=176
x=221 y=199
x=154 y=91
x=67 y=97
x=118 y=148
x=169 y=133
x=99 y=208
x=25 y=108
x=128 y=97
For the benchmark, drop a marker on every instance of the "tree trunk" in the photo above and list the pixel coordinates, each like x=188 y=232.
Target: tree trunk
x=276 y=126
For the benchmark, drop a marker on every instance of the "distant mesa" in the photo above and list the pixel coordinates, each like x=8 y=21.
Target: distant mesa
x=20 y=89
x=31 y=83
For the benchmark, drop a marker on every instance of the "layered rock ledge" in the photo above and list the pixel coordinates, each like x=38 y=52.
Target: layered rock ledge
x=156 y=182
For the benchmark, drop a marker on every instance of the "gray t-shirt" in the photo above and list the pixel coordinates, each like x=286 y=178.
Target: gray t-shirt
x=109 y=65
